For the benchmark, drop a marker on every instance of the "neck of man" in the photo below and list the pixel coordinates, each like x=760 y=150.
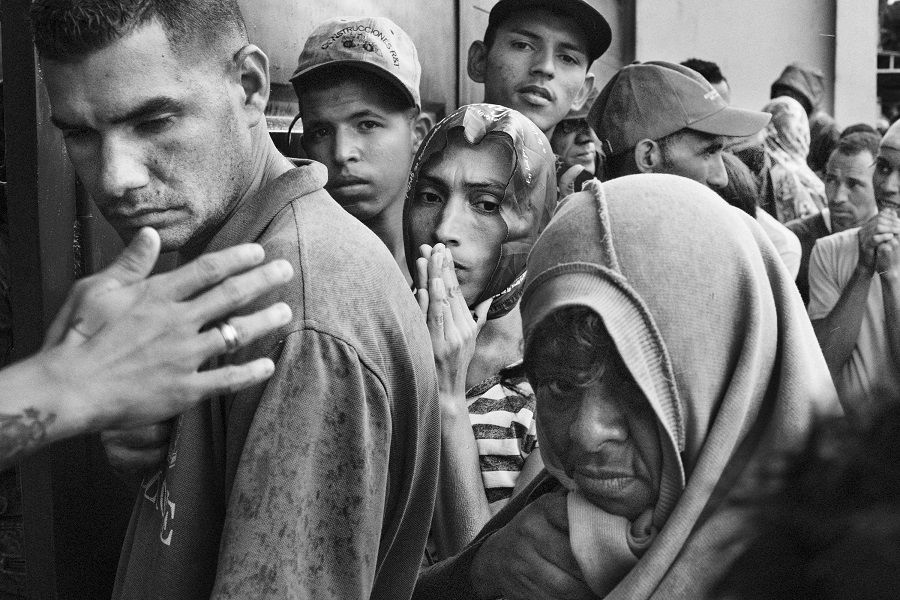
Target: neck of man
x=265 y=165
x=388 y=226
x=499 y=345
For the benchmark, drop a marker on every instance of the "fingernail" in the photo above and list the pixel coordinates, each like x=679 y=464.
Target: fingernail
x=283 y=268
x=284 y=313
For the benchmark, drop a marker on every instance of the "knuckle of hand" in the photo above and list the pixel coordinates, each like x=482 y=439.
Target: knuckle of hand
x=211 y=268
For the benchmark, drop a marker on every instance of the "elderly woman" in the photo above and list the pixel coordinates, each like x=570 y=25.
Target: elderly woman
x=481 y=189
x=670 y=364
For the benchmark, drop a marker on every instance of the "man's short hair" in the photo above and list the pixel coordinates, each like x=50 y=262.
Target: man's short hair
x=66 y=30
x=856 y=143
x=709 y=70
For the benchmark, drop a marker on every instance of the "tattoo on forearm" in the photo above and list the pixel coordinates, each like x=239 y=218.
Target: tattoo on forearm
x=20 y=433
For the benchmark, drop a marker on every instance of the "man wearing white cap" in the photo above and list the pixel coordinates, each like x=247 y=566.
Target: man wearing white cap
x=357 y=83
x=659 y=117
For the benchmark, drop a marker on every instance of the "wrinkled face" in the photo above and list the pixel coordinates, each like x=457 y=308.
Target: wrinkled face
x=575 y=143
x=537 y=65
x=604 y=433
x=848 y=186
x=697 y=156
x=457 y=202
x=155 y=139
x=886 y=179
x=366 y=143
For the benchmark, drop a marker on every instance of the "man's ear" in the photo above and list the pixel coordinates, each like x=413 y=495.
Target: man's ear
x=252 y=65
x=648 y=156
x=476 y=66
x=422 y=124
x=582 y=95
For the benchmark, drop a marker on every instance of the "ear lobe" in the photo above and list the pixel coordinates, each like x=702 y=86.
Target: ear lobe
x=647 y=156
x=422 y=125
x=252 y=65
x=476 y=65
x=585 y=91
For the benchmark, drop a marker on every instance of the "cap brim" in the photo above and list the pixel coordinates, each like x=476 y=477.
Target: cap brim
x=596 y=28
x=732 y=121
x=359 y=64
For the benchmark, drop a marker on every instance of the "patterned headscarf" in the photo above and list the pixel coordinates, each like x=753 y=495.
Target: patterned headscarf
x=798 y=190
x=525 y=211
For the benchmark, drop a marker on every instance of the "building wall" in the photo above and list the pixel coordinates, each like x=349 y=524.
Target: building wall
x=280 y=27
x=751 y=41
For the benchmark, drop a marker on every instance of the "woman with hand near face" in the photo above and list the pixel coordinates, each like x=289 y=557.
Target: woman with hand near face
x=482 y=187
x=671 y=364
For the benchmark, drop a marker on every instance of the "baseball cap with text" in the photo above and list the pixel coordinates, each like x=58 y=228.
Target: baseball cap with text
x=654 y=99
x=374 y=44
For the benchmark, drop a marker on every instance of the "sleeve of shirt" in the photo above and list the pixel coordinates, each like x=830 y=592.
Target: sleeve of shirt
x=307 y=508
x=824 y=289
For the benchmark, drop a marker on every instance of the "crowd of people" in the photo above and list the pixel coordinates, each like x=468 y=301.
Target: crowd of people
x=575 y=341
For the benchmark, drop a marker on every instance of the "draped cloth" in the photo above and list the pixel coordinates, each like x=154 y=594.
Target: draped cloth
x=711 y=327
x=792 y=188
x=529 y=202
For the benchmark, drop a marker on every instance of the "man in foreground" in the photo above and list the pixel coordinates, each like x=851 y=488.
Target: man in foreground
x=321 y=482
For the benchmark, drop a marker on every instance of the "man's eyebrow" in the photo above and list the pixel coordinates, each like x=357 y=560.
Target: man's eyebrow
x=148 y=108
x=563 y=45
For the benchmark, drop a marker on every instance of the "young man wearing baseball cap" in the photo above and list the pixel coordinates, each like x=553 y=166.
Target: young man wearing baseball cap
x=357 y=83
x=535 y=57
x=660 y=117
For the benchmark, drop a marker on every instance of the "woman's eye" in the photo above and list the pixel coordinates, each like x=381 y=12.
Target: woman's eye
x=428 y=197
x=486 y=204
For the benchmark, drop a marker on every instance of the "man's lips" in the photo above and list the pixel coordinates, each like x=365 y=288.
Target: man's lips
x=537 y=95
x=141 y=213
x=346 y=181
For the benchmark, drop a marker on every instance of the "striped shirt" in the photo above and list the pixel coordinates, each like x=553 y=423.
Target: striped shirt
x=502 y=416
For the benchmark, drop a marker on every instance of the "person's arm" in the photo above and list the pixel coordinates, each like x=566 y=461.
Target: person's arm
x=125 y=349
x=308 y=504
x=838 y=330
x=522 y=553
x=462 y=506
x=887 y=265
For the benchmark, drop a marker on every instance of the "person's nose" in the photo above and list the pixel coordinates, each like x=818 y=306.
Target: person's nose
x=718 y=176
x=122 y=167
x=596 y=423
x=841 y=194
x=346 y=147
x=450 y=228
x=890 y=185
x=542 y=63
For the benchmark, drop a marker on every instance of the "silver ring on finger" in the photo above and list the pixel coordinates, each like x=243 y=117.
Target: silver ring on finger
x=230 y=335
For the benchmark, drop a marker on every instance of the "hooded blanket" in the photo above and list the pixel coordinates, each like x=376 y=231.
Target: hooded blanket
x=711 y=327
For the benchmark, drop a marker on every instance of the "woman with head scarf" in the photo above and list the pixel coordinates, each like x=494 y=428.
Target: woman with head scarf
x=481 y=189
x=789 y=187
x=672 y=360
